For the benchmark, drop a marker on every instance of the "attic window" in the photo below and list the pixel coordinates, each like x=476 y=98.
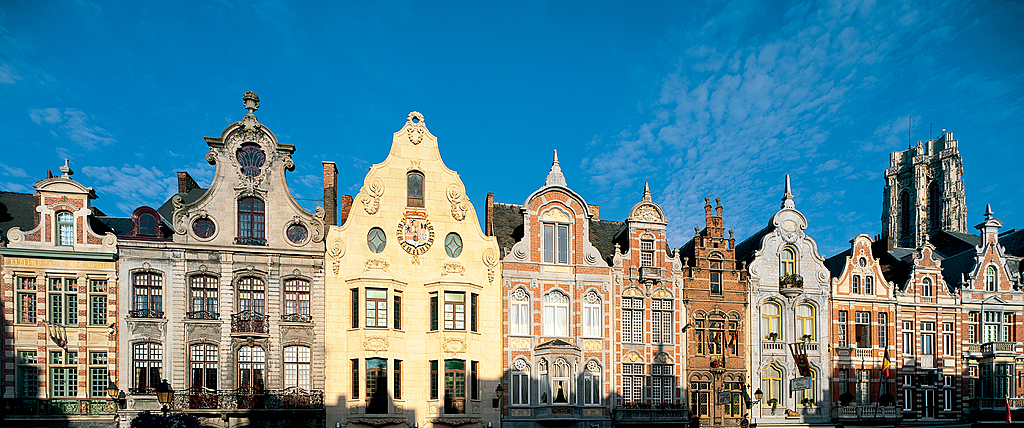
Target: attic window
x=250 y=159
x=414 y=188
x=65 y=228
x=147 y=225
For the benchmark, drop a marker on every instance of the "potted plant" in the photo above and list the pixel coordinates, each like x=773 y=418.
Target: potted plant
x=791 y=281
x=775 y=404
x=845 y=398
x=807 y=402
x=772 y=336
x=806 y=338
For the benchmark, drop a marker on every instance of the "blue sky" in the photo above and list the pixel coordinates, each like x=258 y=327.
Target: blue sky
x=718 y=99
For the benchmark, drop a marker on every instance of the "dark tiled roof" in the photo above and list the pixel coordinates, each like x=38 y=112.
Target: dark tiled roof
x=506 y=225
x=745 y=250
x=17 y=210
x=949 y=243
x=602 y=236
x=167 y=209
x=1013 y=242
x=837 y=263
x=954 y=268
x=121 y=226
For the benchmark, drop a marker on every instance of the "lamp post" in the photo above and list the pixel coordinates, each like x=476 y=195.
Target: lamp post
x=498 y=392
x=757 y=400
x=164 y=394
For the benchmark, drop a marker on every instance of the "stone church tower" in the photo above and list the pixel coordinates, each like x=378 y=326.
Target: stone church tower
x=924 y=192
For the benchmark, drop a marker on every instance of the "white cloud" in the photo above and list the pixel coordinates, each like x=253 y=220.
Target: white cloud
x=8 y=75
x=13 y=171
x=15 y=187
x=73 y=123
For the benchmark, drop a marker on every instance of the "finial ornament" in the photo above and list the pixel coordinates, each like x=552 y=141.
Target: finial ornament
x=66 y=169
x=555 y=177
x=647 y=192
x=988 y=210
x=787 y=198
x=251 y=101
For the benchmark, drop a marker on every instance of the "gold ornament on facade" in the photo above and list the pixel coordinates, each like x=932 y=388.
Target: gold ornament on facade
x=519 y=343
x=454 y=345
x=593 y=344
x=415 y=233
x=646 y=213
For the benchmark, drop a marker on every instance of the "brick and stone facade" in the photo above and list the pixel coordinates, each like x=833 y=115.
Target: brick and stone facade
x=413 y=297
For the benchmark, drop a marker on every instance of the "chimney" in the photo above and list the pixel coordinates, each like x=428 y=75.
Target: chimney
x=346 y=205
x=49 y=174
x=489 y=216
x=330 y=193
x=185 y=182
x=596 y=211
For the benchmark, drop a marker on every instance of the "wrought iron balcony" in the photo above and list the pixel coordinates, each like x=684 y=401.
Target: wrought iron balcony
x=639 y=412
x=864 y=412
x=250 y=322
x=58 y=406
x=145 y=313
x=251 y=241
x=297 y=318
x=791 y=285
x=248 y=398
x=142 y=391
x=202 y=315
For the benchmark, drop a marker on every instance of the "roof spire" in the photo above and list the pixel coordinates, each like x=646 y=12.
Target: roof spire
x=988 y=212
x=647 y=192
x=555 y=177
x=787 y=198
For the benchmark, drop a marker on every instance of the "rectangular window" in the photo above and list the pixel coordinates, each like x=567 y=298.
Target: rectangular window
x=63 y=374
x=355 y=377
x=519 y=317
x=98 y=376
x=716 y=282
x=591 y=388
x=632 y=320
x=841 y=385
x=454 y=386
x=433 y=312
x=972 y=333
x=520 y=388
x=98 y=309
x=398 y=380
x=473 y=299
x=147 y=360
x=64 y=301
x=947 y=400
x=632 y=382
x=592 y=319
x=556 y=243
x=661 y=320
x=863 y=329
x=376 y=309
x=376 y=385
x=203 y=360
x=355 y=308
x=908 y=338
x=433 y=380
x=205 y=294
x=646 y=253
x=454 y=310
x=908 y=399
x=148 y=293
x=841 y=321
x=398 y=312
x=474 y=380
x=663 y=383
x=28 y=374
x=297 y=364
x=883 y=326
x=26 y=308
x=296 y=297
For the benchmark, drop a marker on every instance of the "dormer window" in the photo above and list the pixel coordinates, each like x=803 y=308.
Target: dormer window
x=556 y=243
x=147 y=225
x=251 y=217
x=65 y=228
x=646 y=252
x=787 y=261
x=250 y=159
x=990 y=278
x=926 y=287
x=414 y=189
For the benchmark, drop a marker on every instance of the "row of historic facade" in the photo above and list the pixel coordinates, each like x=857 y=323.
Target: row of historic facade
x=400 y=310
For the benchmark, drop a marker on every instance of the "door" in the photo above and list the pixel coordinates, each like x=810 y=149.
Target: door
x=929 y=403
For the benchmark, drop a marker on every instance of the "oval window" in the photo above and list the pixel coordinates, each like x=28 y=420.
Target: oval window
x=376 y=240
x=203 y=227
x=297 y=233
x=453 y=244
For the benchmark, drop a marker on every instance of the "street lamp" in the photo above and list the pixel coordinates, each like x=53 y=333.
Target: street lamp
x=758 y=395
x=164 y=394
x=499 y=391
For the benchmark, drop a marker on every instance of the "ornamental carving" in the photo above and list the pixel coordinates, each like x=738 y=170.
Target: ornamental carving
x=593 y=344
x=456 y=422
x=519 y=343
x=453 y=345
x=519 y=412
x=593 y=367
x=370 y=196
x=591 y=297
x=646 y=213
x=415 y=127
x=458 y=201
x=491 y=261
x=377 y=264
x=377 y=422
x=453 y=267
x=335 y=251
x=633 y=357
x=375 y=343
x=520 y=365
x=555 y=214
x=415 y=233
x=662 y=358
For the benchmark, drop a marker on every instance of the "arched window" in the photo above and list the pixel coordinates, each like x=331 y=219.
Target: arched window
x=252 y=362
x=251 y=295
x=560 y=381
x=771 y=385
x=204 y=366
x=805 y=321
x=787 y=261
x=545 y=386
x=856 y=284
x=592 y=387
x=65 y=228
x=203 y=291
x=715 y=274
x=297 y=367
x=906 y=221
x=520 y=378
x=990 y=278
x=148 y=292
x=592 y=318
x=556 y=314
x=926 y=287
x=934 y=206
x=519 y=317
x=414 y=189
x=147 y=225
x=869 y=285
x=771 y=320
x=296 y=297
x=147 y=361
x=251 y=220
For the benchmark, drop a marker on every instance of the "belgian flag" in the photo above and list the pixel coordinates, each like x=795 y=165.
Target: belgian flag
x=886 y=365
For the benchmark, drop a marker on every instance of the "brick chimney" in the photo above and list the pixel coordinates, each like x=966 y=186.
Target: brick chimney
x=185 y=182
x=346 y=206
x=596 y=211
x=331 y=193
x=489 y=214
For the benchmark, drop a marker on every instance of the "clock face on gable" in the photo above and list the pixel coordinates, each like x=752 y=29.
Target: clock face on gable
x=415 y=232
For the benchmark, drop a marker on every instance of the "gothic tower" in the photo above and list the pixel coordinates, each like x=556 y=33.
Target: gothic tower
x=924 y=192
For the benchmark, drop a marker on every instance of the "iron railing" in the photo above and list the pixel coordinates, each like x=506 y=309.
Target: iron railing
x=297 y=318
x=202 y=315
x=145 y=313
x=249 y=321
x=248 y=398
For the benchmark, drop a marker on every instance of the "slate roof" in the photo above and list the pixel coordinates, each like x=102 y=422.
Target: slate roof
x=745 y=250
x=17 y=210
x=954 y=268
x=120 y=226
x=507 y=227
x=1013 y=242
x=602 y=236
x=837 y=263
x=950 y=243
x=167 y=209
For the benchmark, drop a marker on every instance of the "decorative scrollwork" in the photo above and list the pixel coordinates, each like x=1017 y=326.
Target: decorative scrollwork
x=490 y=259
x=452 y=267
x=415 y=127
x=376 y=343
x=458 y=201
x=377 y=264
x=370 y=196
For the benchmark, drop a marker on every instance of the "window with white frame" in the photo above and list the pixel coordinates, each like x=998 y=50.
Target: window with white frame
x=1007 y=327
x=862 y=320
x=592 y=389
x=633 y=320
x=661 y=320
x=519 y=317
x=632 y=383
x=869 y=285
x=646 y=252
x=856 y=284
x=204 y=359
x=252 y=363
x=556 y=314
x=972 y=326
x=883 y=329
x=992 y=326
x=520 y=378
x=926 y=287
x=947 y=338
x=947 y=393
x=297 y=367
x=65 y=228
x=556 y=243
x=663 y=383
x=908 y=337
x=990 y=278
x=863 y=387
x=592 y=318
x=927 y=338
x=841 y=332
x=561 y=379
x=147 y=361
